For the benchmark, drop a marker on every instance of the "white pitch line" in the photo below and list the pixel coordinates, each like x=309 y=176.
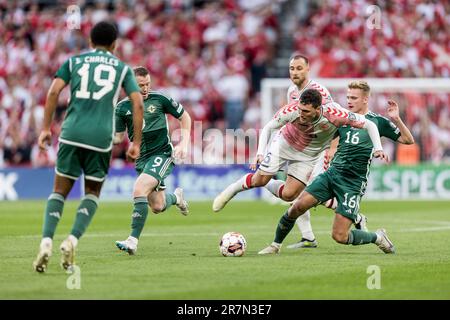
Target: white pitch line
x=218 y=234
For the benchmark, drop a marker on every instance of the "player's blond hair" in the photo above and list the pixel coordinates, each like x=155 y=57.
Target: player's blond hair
x=360 y=84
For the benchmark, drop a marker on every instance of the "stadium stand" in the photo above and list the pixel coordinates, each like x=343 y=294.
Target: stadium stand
x=212 y=55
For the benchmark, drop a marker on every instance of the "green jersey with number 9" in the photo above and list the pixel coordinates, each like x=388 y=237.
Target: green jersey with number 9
x=95 y=81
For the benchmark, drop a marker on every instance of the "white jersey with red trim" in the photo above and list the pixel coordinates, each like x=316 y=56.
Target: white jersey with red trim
x=293 y=93
x=313 y=138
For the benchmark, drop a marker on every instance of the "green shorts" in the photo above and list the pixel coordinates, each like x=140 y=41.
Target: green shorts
x=72 y=161
x=347 y=190
x=158 y=166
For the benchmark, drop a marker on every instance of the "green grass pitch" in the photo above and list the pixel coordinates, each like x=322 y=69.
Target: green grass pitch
x=178 y=257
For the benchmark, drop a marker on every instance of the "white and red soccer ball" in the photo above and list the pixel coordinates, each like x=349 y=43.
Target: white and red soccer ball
x=232 y=244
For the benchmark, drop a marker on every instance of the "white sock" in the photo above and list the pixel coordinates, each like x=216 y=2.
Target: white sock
x=274 y=187
x=73 y=239
x=304 y=224
x=241 y=184
x=178 y=200
x=46 y=243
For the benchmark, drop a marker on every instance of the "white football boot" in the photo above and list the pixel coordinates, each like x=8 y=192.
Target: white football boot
x=383 y=242
x=222 y=199
x=129 y=245
x=304 y=243
x=362 y=223
x=67 y=254
x=181 y=204
x=45 y=252
x=272 y=249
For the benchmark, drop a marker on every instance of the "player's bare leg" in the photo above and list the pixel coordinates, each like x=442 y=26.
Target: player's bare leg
x=248 y=181
x=160 y=201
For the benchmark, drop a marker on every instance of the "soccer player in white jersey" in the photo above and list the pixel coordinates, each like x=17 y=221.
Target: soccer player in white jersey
x=307 y=128
x=299 y=75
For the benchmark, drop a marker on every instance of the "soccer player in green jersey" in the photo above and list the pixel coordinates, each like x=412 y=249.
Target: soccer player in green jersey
x=155 y=162
x=346 y=178
x=85 y=143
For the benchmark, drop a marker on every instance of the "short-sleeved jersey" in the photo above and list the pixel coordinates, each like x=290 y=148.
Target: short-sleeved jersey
x=355 y=149
x=313 y=138
x=155 y=133
x=293 y=94
x=95 y=81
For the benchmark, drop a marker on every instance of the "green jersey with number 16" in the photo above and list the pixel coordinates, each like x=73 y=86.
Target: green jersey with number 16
x=354 y=152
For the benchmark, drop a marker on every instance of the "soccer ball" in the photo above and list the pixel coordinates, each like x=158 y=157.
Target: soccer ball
x=232 y=244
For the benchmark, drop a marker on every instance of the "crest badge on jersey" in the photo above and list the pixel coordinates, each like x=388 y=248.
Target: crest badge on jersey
x=324 y=126
x=351 y=116
x=151 y=108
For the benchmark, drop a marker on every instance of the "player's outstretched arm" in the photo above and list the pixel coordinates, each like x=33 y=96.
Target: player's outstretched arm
x=181 y=150
x=138 y=111
x=374 y=135
x=45 y=137
x=393 y=113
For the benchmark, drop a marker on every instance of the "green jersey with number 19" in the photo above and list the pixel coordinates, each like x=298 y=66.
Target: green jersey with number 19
x=95 y=81
x=354 y=152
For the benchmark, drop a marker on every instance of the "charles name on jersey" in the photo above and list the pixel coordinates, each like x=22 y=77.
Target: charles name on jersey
x=98 y=59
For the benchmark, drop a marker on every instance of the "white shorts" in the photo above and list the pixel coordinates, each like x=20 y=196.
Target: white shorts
x=319 y=167
x=280 y=153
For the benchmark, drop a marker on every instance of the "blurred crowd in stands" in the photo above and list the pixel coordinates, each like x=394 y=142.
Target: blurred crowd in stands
x=212 y=55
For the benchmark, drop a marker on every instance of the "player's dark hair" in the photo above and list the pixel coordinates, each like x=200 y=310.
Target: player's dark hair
x=141 y=71
x=104 y=33
x=311 y=96
x=296 y=56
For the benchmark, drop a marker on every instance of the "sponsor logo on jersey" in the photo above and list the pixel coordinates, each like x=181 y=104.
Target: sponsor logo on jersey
x=128 y=113
x=151 y=108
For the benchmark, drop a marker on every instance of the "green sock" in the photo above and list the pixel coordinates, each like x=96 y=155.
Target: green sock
x=358 y=237
x=171 y=199
x=284 y=227
x=140 y=212
x=52 y=215
x=85 y=213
